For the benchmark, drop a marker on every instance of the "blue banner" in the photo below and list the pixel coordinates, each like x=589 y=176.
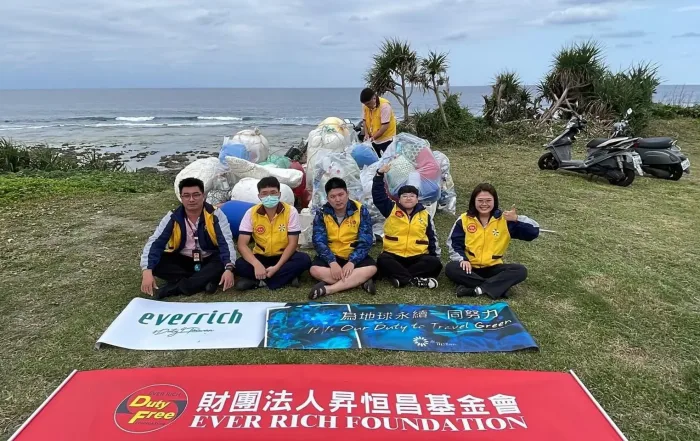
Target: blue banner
x=401 y=327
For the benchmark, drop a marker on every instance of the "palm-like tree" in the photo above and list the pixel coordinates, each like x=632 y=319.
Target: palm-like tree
x=433 y=73
x=395 y=67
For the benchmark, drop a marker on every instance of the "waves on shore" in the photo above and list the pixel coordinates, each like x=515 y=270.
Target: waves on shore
x=107 y=122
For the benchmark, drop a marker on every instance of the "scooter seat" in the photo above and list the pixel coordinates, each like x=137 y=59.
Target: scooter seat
x=655 y=143
x=593 y=143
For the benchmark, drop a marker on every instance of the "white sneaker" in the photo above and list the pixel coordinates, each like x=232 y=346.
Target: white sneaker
x=424 y=282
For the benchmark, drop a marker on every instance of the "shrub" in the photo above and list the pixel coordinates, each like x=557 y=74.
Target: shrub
x=463 y=126
x=15 y=157
x=509 y=100
x=671 y=111
x=632 y=89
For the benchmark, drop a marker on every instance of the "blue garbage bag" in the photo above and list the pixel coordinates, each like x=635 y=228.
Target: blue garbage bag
x=364 y=155
x=234 y=211
x=235 y=150
x=429 y=190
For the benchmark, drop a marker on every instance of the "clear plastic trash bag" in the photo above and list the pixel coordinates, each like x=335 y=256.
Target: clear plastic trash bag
x=335 y=165
x=448 y=194
x=412 y=163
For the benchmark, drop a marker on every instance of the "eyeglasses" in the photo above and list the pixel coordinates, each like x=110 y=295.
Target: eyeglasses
x=194 y=196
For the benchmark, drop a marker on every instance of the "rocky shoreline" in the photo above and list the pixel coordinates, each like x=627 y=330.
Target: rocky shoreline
x=147 y=157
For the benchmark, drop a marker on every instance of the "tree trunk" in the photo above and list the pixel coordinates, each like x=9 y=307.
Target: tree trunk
x=439 y=101
x=405 y=98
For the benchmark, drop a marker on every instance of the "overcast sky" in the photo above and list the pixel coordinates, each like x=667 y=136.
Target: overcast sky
x=314 y=43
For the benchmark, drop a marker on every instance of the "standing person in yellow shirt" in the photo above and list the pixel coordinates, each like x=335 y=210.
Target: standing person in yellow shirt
x=380 y=122
x=274 y=227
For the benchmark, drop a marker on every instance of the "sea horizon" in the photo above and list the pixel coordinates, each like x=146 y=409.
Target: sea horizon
x=143 y=125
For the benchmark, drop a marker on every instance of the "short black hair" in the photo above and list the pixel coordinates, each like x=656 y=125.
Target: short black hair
x=191 y=182
x=408 y=189
x=366 y=95
x=488 y=188
x=334 y=183
x=269 y=182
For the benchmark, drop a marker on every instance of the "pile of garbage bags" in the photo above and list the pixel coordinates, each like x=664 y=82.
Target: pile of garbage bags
x=332 y=151
x=243 y=160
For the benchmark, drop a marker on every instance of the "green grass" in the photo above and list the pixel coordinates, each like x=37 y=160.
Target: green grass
x=613 y=294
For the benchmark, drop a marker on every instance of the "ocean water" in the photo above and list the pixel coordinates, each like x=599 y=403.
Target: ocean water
x=144 y=124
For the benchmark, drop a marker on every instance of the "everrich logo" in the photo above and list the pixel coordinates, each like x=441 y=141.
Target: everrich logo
x=150 y=408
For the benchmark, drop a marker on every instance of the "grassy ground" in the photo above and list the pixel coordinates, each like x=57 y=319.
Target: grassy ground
x=613 y=294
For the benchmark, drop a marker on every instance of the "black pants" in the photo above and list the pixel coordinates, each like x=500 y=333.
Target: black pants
x=177 y=269
x=294 y=267
x=495 y=280
x=404 y=269
x=380 y=148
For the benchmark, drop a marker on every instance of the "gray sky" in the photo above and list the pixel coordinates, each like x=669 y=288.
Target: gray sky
x=313 y=43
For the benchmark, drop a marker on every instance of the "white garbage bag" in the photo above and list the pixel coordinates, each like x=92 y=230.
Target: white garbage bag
x=322 y=141
x=254 y=141
x=206 y=170
x=247 y=190
x=240 y=168
x=336 y=122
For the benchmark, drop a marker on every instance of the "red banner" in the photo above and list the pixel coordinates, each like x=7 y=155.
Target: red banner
x=319 y=402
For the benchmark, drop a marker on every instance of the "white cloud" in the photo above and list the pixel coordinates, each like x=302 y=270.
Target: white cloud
x=457 y=36
x=625 y=34
x=688 y=35
x=579 y=14
x=688 y=8
x=144 y=37
x=332 y=40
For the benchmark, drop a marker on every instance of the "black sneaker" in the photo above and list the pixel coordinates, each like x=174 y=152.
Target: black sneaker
x=424 y=282
x=243 y=284
x=463 y=291
x=370 y=287
x=395 y=283
x=295 y=283
x=211 y=288
x=167 y=290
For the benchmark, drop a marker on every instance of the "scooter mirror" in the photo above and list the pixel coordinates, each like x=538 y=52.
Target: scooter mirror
x=629 y=111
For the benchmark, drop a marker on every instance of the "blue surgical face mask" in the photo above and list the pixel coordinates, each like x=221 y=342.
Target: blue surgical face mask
x=270 y=201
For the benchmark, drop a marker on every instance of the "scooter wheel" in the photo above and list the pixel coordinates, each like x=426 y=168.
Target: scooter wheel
x=626 y=181
x=548 y=162
x=676 y=171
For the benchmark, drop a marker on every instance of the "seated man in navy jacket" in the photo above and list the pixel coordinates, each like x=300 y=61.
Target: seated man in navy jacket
x=192 y=248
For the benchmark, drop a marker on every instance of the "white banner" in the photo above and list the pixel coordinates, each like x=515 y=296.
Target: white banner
x=152 y=325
